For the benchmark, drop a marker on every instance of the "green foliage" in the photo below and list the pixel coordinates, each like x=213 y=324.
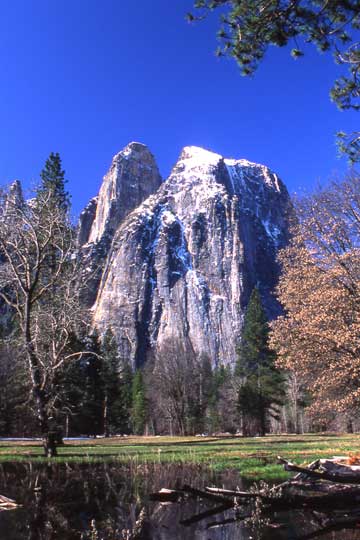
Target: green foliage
x=349 y=143
x=249 y=28
x=71 y=384
x=92 y=400
x=139 y=404
x=197 y=403
x=116 y=380
x=53 y=182
x=261 y=388
x=14 y=394
x=95 y=391
x=216 y=421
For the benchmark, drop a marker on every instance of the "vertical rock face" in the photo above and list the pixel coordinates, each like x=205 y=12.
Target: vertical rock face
x=182 y=265
x=86 y=221
x=15 y=196
x=132 y=177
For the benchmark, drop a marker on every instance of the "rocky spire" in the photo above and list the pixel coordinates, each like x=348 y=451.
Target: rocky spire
x=15 y=195
x=132 y=177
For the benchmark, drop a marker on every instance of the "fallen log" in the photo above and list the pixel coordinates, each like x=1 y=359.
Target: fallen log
x=338 y=474
x=233 y=493
x=205 y=494
x=286 y=495
x=7 y=504
x=170 y=495
x=326 y=487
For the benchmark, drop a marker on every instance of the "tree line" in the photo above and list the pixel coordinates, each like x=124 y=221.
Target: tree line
x=59 y=377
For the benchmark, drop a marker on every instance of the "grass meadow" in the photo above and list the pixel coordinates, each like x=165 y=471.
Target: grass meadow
x=254 y=458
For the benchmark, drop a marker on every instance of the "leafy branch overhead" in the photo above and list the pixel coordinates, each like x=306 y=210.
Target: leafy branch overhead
x=248 y=28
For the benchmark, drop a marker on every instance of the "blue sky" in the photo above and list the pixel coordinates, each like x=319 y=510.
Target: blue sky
x=85 y=77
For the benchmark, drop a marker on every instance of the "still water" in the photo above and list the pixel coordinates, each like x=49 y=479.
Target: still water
x=95 y=502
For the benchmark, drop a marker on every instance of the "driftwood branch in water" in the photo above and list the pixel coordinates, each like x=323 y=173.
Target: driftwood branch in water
x=317 y=496
x=339 y=473
x=7 y=504
x=233 y=493
x=205 y=494
x=326 y=487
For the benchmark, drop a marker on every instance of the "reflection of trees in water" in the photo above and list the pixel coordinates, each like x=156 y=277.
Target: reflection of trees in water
x=61 y=500
x=79 y=501
x=283 y=521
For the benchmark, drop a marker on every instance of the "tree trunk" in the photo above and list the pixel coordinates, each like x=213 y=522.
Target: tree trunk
x=49 y=443
x=106 y=417
x=48 y=438
x=262 y=424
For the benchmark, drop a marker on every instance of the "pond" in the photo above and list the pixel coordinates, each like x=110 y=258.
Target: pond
x=103 y=501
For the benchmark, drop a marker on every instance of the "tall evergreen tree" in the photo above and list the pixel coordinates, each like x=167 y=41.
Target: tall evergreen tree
x=53 y=182
x=116 y=382
x=222 y=376
x=261 y=388
x=200 y=395
x=14 y=392
x=93 y=397
x=72 y=386
x=138 y=411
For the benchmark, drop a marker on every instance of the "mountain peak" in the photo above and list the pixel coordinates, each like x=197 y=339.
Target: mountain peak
x=15 y=195
x=201 y=154
x=132 y=177
x=134 y=149
x=183 y=263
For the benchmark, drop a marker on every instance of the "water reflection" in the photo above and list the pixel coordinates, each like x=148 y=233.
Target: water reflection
x=95 y=502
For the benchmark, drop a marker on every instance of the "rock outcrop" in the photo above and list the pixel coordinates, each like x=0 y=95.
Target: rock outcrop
x=15 y=197
x=132 y=177
x=181 y=265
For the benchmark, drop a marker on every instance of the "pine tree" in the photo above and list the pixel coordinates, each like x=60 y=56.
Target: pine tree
x=14 y=392
x=72 y=387
x=261 y=387
x=126 y=378
x=116 y=383
x=53 y=182
x=200 y=395
x=93 y=398
x=138 y=411
x=221 y=376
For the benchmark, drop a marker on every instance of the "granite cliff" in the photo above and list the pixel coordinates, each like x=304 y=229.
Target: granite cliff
x=178 y=260
x=132 y=177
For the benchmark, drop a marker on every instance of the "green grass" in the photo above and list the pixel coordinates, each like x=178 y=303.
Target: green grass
x=254 y=458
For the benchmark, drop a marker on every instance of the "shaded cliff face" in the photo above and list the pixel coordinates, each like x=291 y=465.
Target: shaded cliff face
x=182 y=265
x=132 y=177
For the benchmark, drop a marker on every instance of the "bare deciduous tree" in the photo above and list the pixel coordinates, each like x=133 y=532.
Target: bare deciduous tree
x=39 y=283
x=175 y=386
